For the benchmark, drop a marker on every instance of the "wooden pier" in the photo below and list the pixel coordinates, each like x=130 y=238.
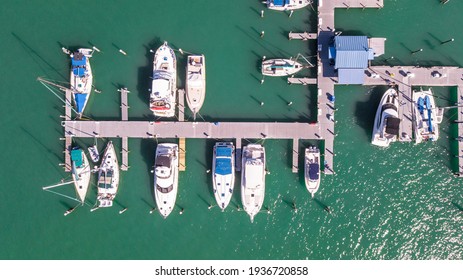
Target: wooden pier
x=302 y=36
x=181 y=154
x=67 y=139
x=403 y=77
x=302 y=81
x=125 y=117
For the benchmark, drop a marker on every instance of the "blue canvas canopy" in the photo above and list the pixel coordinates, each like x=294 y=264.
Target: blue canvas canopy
x=280 y=2
x=223 y=166
x=314 y=171
x=80 y=99
x=223 y=152
x=76 y=157
x=79 y=71
x=79 y=60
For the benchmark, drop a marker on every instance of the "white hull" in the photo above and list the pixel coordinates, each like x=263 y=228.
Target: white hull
x=108 y=177
x=195 y=82
x=81 y=177
x=280 y=67
x=384 y=128
x=291 y=5
x=81 y=80
x=164 y=85
x=253 y=179
x=94 y=154
x=223 y=173
x=312 y=170
x=166 y=178
x=425 y=119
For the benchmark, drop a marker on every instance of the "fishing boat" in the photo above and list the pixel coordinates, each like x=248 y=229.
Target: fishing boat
x=108 y=177
x=164 y=85
x=312 y=169
x=426 y=116
x=284 y=5
x=80 y=172
x=279 y=67
x=166 y=177
x=387 y=122
x=81 y=78
x=253 y=179
x=223 y=173
x=195 y=82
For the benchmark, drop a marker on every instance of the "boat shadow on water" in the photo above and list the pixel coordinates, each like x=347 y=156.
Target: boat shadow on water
x=148 y=150
x=365 y=111
x=146 y=72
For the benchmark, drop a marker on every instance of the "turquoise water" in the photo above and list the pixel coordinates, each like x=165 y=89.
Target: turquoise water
x=396 y=203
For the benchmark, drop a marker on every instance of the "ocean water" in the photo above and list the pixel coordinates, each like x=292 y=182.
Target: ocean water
x=397 y=203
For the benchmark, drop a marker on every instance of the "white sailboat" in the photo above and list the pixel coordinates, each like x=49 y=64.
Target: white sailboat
x=426 y=116
x=312 y=169
x=387 y=122
x=253 y=179
x=166 y=177
x=81 y=172
x=164 y=85
x=195 y=82
x=81 y=78
x=285 y=5
x=223 y=173
x=108 y=177
x=279 y=67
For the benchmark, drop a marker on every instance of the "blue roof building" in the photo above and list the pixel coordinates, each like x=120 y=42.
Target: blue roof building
x=351 y=55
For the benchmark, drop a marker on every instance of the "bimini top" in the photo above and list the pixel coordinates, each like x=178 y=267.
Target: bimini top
x=314 y=171
x=76 y=156
x=223 y=164
x=80 y=101
x=280 y=3
x=78 y=64
x=392 y=125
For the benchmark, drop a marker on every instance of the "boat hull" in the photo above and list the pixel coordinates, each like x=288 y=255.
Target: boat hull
x=108 y=187
x=166 y=187
x=425 y=121
x=164 y=84
x=195 y=82
x=280 y=67
x=253 y=179
x=81 y=80
x=292 y=5
x=223 y=173
x=81 y=177
x=387 y=111
x=312 y=170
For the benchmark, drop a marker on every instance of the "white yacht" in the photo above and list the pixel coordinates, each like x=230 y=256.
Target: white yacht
x=108 y=177
x=166 y=177
x=195 y=82
x=284 y=5
x=223 y=173
x=312 y=169
x=387 y=122
x=253 y=179
x=426 y=116
x=279 y=67
x=164 y=85
x=81 y=78
x=81 y=172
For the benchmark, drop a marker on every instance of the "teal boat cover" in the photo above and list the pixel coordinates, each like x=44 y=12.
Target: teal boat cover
x=76 y=157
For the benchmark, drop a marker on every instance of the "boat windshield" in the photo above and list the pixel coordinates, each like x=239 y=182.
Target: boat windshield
x=165 y=190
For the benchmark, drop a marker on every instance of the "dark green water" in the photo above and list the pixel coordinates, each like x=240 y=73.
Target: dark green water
x=396 y=203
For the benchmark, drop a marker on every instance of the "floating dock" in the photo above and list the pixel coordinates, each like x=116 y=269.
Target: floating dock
x=181 y=154
x=403 y=77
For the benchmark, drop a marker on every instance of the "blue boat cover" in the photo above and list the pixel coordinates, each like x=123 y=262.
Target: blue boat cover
x=223 y=152
x=420 y=104
x=314 y=171
x=280 y=3
x=79 y=62
x=76 y=157
x=80 y=101
x=79 y=71
x=428 y=107
x=223 y=166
